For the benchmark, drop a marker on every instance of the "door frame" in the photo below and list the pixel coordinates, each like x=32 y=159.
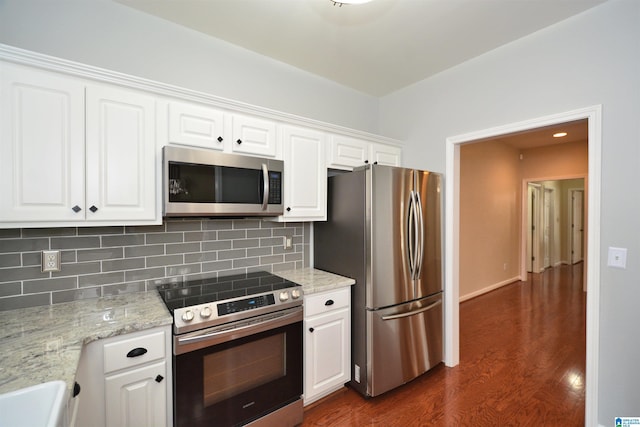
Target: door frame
x=593 y=114
x=572 y=192
x=532 y=225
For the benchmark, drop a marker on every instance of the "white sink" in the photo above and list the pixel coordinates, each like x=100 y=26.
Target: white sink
x=36 y=406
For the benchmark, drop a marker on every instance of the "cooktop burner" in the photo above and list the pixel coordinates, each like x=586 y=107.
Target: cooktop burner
x=195 y=292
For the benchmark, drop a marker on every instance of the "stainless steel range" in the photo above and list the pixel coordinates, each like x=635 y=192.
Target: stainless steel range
x=237 y=350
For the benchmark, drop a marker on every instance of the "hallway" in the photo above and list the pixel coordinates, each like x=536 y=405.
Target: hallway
x=522 y=363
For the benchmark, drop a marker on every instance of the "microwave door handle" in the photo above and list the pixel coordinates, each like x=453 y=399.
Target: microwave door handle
x=265 y=190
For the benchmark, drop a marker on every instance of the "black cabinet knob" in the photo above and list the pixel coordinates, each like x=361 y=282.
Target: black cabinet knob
x=375 y=163
x=366 y=162
x=239 y=141
x=136 y=352
x=220 y=139
x=311 y=329
x=93 y=209
x=329 y=302
x=159 y=378
x=76 y=208
x=288 y=209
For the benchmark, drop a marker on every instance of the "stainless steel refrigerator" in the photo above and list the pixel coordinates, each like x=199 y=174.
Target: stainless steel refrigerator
x=384 y=231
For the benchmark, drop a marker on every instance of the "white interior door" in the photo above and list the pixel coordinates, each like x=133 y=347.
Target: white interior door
x=577 y=226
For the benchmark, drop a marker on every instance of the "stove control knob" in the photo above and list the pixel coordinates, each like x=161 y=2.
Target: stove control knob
x=187 y=316
x=295 y=294
x=205 y=312
x=284 y=296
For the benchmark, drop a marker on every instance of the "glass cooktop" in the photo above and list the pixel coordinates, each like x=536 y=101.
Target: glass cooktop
x=201 y=291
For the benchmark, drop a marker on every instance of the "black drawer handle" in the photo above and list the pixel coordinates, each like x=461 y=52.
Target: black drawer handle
x=93 y=208
x=139 y=351
x=76 y=389
x=220 y=139
x=76 y=208
x=329 y=302
x=311 y=329
x=239 y=141
x=159 y=378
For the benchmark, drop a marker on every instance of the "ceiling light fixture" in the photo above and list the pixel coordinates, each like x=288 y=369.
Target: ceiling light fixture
x=559 y=134
x=339 y=3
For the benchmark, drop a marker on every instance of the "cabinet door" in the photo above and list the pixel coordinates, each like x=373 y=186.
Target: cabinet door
x=388 y=155
x=305 y=175
x=41 y=145
x=195 y=125
x=135 y=398
x=347 y=153
x=327 y=353
x=253 y=136
x=121 y=162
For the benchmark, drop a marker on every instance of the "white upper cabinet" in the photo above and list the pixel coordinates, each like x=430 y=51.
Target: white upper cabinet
x=305 y=175
x=41 y=145
x=196 y=125
x=347 y=153
x=121 y=166
x=383 y=154
x=253 y=136
x=202 y=126
x=67 y=161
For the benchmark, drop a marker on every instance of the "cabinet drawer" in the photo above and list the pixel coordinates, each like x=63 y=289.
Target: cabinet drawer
x=327 y=301
x=131 y=352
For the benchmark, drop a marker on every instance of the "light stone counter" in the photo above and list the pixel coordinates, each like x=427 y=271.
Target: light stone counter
x=41 y=344
x=314 y=281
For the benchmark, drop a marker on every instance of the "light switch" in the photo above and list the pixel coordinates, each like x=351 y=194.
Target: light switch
x=617 y=257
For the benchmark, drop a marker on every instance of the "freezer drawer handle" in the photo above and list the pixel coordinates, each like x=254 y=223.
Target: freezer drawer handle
x=411 y=313
x=329 y=302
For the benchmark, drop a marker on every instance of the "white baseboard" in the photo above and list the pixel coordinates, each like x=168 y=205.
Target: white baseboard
x=489 y=288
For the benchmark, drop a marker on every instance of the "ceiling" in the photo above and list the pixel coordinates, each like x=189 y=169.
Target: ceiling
x=375 y=48
x=534 y=138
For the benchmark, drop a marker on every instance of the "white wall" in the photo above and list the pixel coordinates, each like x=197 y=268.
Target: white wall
x=112 y=36
x=590 y=59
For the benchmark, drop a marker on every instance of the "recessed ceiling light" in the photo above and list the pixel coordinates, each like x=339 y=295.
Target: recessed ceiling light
x=559 y=134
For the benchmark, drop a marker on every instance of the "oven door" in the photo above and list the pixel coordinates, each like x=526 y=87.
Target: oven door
x=229 y=377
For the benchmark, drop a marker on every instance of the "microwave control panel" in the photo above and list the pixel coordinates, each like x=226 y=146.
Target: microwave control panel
x=275 y=188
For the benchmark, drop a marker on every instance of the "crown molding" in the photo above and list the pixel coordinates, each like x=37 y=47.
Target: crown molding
x=76 y=69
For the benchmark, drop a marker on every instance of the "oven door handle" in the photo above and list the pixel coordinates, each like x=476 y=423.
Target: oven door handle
x=219 y=336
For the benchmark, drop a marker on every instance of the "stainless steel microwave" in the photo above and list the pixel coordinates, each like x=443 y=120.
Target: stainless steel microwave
x=212 y=184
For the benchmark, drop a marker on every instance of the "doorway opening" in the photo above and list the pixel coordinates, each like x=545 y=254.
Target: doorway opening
x=554 y=230
x=593 y=115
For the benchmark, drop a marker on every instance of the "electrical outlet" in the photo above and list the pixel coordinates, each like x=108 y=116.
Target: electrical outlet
x=50 y=261
x=288 y=242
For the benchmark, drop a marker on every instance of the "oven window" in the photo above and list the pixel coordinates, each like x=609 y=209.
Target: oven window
x=235 y=370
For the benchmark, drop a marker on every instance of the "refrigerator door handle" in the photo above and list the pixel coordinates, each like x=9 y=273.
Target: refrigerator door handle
x=420 y=251
x=411 y=234
x=414 y=312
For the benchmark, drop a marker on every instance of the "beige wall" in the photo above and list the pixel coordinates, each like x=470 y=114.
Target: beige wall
x=489 y=216
x=492 y=177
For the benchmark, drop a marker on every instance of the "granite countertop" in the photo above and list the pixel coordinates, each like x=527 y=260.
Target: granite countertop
x=314 y=281
x=40 y=344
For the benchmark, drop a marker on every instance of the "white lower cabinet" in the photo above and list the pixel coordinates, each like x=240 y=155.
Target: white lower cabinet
x=327 y=343
x=125 y=381
x=137 y=397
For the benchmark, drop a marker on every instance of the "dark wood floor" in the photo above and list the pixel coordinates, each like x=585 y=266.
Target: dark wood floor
x=522 y=363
